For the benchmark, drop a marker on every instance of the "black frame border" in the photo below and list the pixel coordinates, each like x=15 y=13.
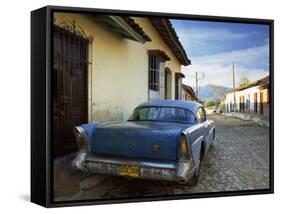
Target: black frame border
x=41 y=123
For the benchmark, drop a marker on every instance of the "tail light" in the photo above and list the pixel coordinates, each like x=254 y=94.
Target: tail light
x=81 y=138
x=184 y=152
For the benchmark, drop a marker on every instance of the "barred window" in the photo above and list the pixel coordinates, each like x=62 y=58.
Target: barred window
x=154 y=66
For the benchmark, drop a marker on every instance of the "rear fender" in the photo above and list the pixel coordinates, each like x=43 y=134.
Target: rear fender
x=196 y=139
x=197 y=147
x=89 y=130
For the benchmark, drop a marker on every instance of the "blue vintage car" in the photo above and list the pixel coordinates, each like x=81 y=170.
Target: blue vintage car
x=162 y=140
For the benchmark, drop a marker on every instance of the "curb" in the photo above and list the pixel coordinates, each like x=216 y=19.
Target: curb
x=247 y=117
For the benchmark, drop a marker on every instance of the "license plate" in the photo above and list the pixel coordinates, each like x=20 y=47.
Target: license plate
x=132 y=171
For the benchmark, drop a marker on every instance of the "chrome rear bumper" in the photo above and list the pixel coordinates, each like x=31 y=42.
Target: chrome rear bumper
x=180 y=171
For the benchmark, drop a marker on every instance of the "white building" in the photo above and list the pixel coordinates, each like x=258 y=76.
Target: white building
x=253 y=98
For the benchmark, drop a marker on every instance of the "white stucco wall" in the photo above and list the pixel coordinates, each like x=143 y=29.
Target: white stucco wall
x=246 y=92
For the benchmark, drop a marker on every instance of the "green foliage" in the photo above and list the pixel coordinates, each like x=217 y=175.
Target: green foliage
x=244 y=81
x=210 y=103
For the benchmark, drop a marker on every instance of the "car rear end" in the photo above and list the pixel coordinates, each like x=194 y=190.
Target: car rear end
x=179 y=167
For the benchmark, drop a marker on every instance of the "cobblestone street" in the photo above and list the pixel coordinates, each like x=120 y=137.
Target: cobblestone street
x=238 y=160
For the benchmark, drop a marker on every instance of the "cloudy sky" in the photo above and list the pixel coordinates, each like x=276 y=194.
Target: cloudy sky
x=213 y=47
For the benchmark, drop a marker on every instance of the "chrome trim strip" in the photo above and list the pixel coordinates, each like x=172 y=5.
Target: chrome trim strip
x=198 y=140
x=78 y=161
x=183 y=170
x=179 y=171
x=84 y=135
x=194 y=128
x=212 y=129
x=141 y=163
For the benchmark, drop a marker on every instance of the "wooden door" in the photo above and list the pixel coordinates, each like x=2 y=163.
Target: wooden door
x=69 y=79
x=241 y=102
x=255 y=102
x=166 y=84
x=177 y=87
x=261 y=103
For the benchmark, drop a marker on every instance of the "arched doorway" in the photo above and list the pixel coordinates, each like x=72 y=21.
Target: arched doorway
x=168 y=83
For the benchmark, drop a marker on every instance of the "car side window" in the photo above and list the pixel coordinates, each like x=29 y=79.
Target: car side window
x=204 y=114
x=201 y=114
x=190 y=117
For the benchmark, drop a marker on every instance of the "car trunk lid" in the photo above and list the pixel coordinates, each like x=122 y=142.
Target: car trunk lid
x=142 y=139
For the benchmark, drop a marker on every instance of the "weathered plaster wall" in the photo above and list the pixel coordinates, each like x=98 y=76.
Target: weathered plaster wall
x=118 y=76
x=245 y=93
x=158 y=43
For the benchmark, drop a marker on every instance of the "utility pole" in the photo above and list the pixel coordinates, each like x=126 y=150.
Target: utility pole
x=196 y=77
x=233 y=77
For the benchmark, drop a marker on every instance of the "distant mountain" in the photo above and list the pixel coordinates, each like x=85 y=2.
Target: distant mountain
x=212 y=92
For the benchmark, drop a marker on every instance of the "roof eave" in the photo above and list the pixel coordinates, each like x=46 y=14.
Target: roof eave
x=127 y=29
x=171 y=39
x=124 y=26
x=179 y=74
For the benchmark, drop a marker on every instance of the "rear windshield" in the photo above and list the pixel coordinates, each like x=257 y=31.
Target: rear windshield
x=169 y=114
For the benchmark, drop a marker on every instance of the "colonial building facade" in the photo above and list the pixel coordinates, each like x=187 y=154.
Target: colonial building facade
x=188 y=93
x=251 y=99
x=104 y=66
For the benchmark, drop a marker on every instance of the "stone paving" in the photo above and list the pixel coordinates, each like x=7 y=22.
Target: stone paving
x=238 y=160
